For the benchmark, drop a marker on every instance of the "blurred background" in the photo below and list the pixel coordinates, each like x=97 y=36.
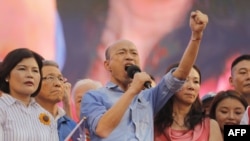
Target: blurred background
x=76 y=33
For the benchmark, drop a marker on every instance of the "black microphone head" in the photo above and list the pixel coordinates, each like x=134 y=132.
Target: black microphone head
x=131 y=70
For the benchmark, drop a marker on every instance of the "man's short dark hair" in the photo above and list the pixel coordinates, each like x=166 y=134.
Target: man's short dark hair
x=107 y=54
x=239 y=59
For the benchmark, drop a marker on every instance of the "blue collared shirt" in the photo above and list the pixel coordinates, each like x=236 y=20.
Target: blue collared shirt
x=137 y=121
x=65 y=125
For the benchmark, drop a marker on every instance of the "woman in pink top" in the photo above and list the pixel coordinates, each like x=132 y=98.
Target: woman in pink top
x=182 y=119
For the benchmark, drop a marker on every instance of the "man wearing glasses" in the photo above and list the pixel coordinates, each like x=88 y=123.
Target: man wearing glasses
x=51 y=93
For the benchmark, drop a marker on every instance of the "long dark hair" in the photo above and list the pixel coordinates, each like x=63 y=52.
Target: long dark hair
x=11 y=60
x=223 y=95
x=164 y=118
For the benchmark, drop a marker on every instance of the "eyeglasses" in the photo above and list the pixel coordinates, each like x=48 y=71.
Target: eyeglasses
x=51 y=78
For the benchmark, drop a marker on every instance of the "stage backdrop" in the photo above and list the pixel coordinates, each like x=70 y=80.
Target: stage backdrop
x=161 y=31
x=75 y=33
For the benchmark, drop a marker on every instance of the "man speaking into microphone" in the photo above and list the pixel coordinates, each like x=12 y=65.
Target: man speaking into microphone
x=123 y=110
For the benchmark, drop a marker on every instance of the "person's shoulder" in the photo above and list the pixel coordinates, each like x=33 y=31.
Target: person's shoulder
x=4 y=95
x=97 y=92
x=68 y=118
x=212 y=120
x=213 y=123
x=6 y=99
x=215 y=131
x=5 y=102
x=70 y=122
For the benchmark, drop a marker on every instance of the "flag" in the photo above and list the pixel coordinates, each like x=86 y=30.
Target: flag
x=78 y=133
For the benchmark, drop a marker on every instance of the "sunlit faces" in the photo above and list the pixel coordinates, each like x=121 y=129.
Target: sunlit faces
x=190 y=89
x=229 y=112
x=52 y=85
x=240 y=79
x=24 y=78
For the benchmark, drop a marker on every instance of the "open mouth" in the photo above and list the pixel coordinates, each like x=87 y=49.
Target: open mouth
x=126 y=66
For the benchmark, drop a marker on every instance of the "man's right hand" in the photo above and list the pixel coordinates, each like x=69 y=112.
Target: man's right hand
x=138 y=82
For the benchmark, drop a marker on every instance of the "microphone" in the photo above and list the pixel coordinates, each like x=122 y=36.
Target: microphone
x=131 y=70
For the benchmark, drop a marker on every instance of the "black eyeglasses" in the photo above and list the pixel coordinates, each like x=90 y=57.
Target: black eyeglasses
x=51 y=78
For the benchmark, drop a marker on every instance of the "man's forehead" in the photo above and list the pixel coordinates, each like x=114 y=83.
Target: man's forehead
x=123 y=44
x=245 y=64
x=51 y=70
x=125 y=47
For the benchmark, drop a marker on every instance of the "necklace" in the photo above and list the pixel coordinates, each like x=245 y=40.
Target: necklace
x=180 y=125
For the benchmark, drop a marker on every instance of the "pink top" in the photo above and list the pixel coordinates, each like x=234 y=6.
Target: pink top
x=200 y=133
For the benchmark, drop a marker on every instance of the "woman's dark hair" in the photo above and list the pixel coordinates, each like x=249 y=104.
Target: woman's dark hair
x=11 y=60
x=223 y=95
x=175 y=65
x=164 y=118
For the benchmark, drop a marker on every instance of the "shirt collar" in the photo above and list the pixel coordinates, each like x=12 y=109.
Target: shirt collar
x=60 y=114
x=61 y=117
x=111 y=85
x=9 y=100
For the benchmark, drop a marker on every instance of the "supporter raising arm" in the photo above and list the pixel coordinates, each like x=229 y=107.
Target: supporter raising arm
x=117 y=111
x=182 y=117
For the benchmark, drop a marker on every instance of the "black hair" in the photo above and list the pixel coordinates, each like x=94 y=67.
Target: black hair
x=239 y=59
x=223 y=95
x=175 y=65
x=11 y=60
x=164 y=118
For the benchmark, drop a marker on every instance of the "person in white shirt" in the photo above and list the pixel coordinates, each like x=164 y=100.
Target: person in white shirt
x=52 y=92
x=21 y=117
